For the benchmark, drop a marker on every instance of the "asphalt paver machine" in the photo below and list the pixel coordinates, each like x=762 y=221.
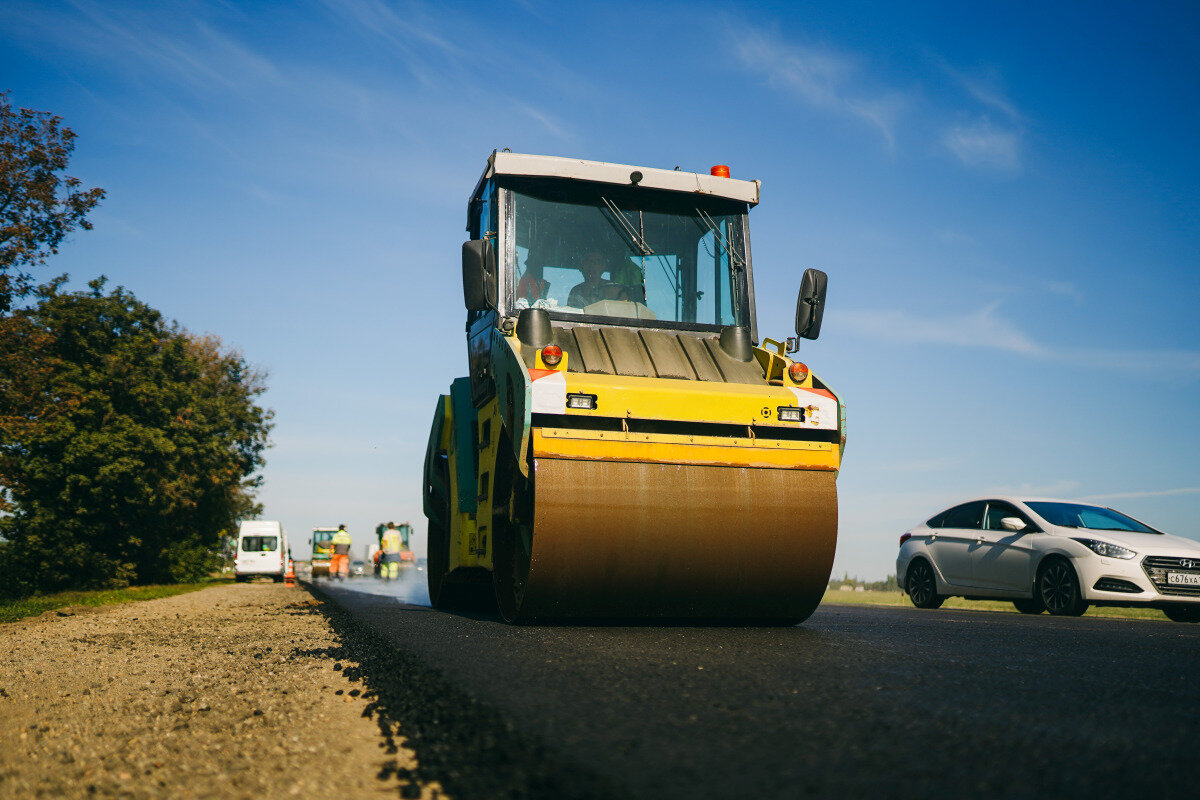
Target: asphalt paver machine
x=624 y=445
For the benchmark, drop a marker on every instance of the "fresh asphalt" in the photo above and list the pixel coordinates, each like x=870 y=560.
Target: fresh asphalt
x=856 y=702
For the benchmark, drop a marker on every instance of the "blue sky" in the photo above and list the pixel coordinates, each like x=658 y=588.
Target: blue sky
x=1004 y=197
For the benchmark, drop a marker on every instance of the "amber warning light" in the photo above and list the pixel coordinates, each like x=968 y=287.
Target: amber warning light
x=720 y=171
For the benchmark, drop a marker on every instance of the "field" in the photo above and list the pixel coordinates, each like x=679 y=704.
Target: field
x=13 y=610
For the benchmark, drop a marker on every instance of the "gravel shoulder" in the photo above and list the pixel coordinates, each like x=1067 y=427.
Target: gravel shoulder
x=233 y=691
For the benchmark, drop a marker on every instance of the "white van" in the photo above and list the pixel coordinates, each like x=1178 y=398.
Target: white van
x=262 y=550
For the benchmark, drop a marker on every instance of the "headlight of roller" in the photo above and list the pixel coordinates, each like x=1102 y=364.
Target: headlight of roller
x=1107 y=550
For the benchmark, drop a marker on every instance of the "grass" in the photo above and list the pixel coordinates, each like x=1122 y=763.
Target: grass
x=899 y=600
x=13 y=610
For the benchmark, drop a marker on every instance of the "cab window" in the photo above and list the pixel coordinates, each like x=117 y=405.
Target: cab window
x=663 y=259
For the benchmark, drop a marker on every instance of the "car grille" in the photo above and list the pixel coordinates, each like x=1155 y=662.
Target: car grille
x=1156 y=568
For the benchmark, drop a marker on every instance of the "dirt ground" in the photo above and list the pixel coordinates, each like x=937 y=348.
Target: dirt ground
x=228 y=692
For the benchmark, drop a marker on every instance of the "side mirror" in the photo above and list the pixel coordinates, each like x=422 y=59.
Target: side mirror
x=1014 y=524
x=479 y=274
x=810 y=304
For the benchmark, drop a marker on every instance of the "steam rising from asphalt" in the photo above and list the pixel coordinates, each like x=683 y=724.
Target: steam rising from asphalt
x=409 y=588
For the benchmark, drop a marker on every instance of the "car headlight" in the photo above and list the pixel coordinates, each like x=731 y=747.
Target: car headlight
x=1107 y=550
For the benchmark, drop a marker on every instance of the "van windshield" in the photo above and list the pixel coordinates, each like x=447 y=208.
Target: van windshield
x=669 y=259
x=259 y=544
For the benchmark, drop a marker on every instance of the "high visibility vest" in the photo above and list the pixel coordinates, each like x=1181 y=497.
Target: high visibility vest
x=391 y=541
x=341 y=542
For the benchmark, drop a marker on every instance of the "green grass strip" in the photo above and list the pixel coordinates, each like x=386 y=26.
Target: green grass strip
x=899 y=600
x=13 y=610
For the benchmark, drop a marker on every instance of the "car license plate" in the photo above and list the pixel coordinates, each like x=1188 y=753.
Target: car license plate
x=1183 y=578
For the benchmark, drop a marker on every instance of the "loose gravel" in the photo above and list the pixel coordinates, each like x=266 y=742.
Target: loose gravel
x=237 y=691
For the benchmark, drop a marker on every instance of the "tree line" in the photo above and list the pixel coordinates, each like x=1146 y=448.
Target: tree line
x=129 y=446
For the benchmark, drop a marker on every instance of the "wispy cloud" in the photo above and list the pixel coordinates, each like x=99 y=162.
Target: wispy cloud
x=384 y=20
x=937 y=464
x=985 y=90
x=410 y=34
x=1178 y=363
x=1059 y=488
x=990 y=128
x=973 y=119
x=1137 y=495
x=987 y=328
x=1066 y=290
x=981 y=143
x=182 y=45
x=982 y=328
x=547 y=121
x=820 y=76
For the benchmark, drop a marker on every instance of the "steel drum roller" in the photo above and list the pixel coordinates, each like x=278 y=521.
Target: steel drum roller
x=626 y=539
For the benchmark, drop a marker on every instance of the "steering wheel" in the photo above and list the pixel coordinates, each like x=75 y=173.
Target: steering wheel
x=616 y=291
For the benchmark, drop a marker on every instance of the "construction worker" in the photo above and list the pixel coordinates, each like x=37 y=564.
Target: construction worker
x=389 y=560
x=339 y=564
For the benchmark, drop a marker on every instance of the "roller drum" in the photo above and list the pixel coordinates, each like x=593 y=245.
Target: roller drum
x=617 y=539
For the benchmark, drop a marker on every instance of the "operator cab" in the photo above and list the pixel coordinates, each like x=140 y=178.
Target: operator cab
x=610 y=244
x=596 y=244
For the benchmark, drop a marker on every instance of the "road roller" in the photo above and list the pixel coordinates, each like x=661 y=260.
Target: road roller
x=624 y=446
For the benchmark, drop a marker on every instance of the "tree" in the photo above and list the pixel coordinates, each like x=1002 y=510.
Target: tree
x=39 y=205
x=128 y=446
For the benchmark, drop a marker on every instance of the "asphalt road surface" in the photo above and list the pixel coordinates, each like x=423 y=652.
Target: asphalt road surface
x=858 y=701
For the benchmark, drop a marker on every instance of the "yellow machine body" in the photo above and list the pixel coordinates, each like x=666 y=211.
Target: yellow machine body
x=632 y=474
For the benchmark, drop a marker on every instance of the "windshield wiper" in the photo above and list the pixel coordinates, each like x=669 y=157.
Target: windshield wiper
x=709 y=223
x=635 y=237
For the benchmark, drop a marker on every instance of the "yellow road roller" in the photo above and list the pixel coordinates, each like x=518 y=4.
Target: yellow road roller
x=624 y=445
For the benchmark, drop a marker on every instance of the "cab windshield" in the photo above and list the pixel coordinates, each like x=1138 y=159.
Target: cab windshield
x=1078 y=515
x=662 y=258
x=322 y=541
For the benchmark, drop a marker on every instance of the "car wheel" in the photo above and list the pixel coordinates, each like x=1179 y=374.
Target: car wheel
x=1182 y=613
x=922 y=586
x=1032 y=605
x=1058 y=588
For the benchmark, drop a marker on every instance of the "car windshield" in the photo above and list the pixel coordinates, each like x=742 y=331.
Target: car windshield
x=596 y=250
x=259 y=544
x=1078 y=515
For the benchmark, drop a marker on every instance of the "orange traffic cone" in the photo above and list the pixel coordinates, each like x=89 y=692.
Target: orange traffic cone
x=290 y=578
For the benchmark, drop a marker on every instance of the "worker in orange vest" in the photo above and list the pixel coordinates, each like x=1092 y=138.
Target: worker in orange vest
x=339 y=563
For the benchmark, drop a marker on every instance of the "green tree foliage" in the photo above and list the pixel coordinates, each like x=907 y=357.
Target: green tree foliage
x=39 y=205
x=128 y=446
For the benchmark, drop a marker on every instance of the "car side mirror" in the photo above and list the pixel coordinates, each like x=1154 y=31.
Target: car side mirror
x=1014 y=524
x=810 y=303
x=479 y=274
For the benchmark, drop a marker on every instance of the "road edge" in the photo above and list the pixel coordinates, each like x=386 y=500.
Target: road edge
x=465 y=745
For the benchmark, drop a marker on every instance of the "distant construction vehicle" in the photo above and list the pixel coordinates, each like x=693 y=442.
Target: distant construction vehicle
x=623 y=445
x=322 y=550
